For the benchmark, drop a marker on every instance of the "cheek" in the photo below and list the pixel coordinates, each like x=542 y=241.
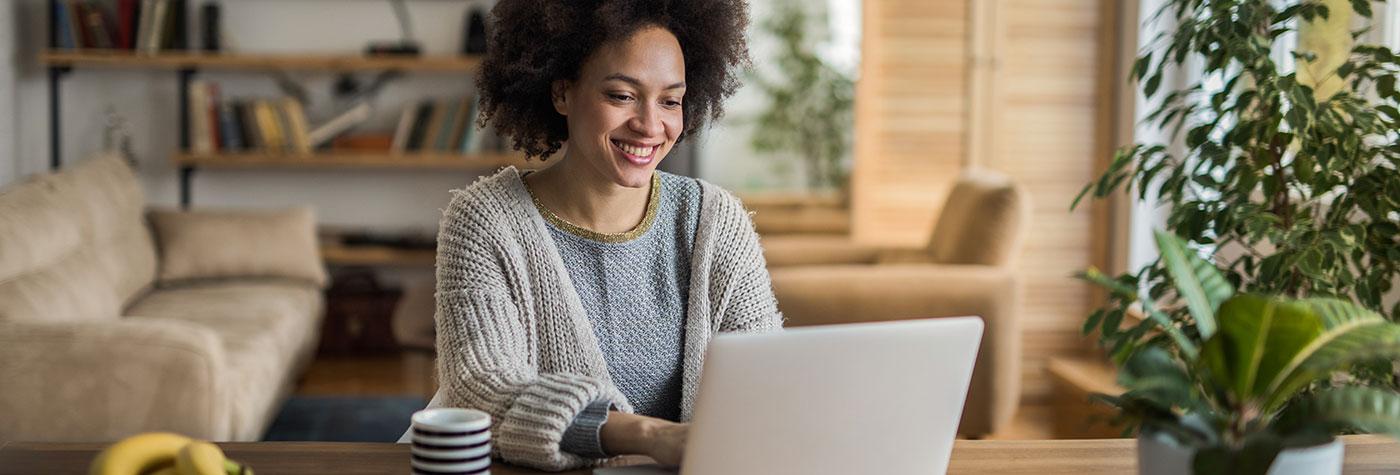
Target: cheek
x=675 y=124
x=594 y=119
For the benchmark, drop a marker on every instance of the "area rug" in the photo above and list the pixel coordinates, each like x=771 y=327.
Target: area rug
x=343 y=419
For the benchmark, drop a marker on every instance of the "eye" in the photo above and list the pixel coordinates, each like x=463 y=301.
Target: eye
x=672 y=103
x=619 y=97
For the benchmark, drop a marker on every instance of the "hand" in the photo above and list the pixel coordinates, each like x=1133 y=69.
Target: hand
x=668 y=443
x=632 y=434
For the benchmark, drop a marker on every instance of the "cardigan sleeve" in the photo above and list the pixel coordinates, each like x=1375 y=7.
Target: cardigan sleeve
x=747 y=301
x=484 y=357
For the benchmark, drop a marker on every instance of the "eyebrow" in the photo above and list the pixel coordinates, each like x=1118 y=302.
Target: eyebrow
x=633 y=81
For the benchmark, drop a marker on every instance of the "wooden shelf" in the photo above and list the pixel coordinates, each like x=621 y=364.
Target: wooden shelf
x=246 y=61
x=342 y=255
x=352 y=160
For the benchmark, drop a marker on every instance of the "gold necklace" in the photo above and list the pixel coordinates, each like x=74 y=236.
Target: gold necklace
x=611 y=238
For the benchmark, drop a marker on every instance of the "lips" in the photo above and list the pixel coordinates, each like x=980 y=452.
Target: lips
x=637 y=154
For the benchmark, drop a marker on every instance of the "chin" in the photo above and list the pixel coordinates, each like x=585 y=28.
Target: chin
x=634 y=177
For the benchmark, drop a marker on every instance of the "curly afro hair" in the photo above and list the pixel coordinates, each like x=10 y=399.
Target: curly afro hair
x=536 y=42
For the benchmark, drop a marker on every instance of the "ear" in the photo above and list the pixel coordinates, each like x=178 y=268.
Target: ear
x=559 y=93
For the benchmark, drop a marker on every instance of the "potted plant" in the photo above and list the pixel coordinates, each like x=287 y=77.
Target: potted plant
x=1248 y=384
x=1291 y=177
x=810 y=102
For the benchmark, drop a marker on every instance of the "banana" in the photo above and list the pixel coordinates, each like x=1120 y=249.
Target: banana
x=167 y=470
x=138 y=453
x=200 y=458
x=235 y=468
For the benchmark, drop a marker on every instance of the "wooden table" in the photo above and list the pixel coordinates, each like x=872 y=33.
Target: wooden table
x=1364 y=454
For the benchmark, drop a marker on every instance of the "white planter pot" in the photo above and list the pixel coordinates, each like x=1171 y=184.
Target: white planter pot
x=1159 y=454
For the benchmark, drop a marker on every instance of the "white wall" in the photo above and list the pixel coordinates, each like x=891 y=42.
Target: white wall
x=8 y=74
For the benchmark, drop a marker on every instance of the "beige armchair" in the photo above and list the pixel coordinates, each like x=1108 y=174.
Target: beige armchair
x=968 y=268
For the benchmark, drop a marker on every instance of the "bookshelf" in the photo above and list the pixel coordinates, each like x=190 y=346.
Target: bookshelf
x=359 y=255
x=188 y=63
x=355 y=160
x=175 y=60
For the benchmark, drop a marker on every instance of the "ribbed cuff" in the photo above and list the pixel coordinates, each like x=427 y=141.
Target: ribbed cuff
x=584 y=436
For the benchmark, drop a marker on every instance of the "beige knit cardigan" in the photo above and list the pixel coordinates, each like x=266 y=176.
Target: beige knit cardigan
x=512 y=336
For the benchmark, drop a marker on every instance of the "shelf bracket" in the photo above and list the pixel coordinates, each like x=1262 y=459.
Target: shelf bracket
x=186 y=175
x=56 y=74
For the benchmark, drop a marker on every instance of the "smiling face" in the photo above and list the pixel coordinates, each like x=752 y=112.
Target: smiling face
x=624 y=111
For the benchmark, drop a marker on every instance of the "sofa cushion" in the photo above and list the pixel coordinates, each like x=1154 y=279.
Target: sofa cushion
x=268 y=330
x=74 y=246
x=214 y=244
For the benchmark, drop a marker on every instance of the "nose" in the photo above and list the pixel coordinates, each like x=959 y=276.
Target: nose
x=647 y=121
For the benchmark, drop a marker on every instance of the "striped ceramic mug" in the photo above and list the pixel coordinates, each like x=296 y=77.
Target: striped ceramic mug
x=449 y=440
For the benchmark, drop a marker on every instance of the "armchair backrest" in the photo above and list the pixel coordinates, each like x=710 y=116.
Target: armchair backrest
x=983 y=221
x=74 y=245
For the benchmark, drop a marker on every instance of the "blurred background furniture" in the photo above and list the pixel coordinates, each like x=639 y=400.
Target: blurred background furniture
x=103 y=336
x=968 y=268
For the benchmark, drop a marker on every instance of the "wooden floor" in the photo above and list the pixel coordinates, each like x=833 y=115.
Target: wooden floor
x=410 y=373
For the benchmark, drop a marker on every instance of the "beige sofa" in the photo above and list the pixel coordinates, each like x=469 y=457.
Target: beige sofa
x=115 y=320
x=968 y=268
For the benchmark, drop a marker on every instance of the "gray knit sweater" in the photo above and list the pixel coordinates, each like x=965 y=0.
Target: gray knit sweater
x=633 y=288
x=515 y=341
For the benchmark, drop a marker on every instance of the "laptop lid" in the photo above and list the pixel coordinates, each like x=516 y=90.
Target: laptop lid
x=857 y=398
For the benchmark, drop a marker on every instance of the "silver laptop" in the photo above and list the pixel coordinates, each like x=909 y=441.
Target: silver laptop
x=858 y=398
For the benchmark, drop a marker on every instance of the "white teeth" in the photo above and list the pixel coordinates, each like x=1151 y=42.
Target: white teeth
x=638 y=151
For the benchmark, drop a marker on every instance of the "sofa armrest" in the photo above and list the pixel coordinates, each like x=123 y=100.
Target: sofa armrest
x=816 y=295
x=221 y=244
x=103 y=381
x=792 y=250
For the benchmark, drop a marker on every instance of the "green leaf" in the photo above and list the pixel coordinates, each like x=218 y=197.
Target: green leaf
x=1140 y=67
x=1152 y=373
x=1198 y=282
x=1362 y=7
x=1351 y=333
x=1385 y=85
x=1258 y=338
x=1367 y=409
x=1150 y=87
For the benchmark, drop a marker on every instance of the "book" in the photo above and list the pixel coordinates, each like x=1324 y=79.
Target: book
x=461 y=125
x=199 y=119
x=296 y=126
x=400 y=141
x=450 y=122
x=434 y=127
x=231 y=137
x=63 y=34
x=95 y=26
x=152 y=21
x=339 y=124
x=471 y=138
x=420 y=125
x=166 y=27
x=128 y=18
x=268 y=127
x=179 y=25
x=248 y=123
x=209 y=26
x=371 y=142
x=75 y=24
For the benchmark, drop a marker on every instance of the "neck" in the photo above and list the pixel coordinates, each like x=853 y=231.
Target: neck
x=574 y=191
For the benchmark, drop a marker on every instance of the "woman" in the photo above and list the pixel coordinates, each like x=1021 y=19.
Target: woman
x=574 y=304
